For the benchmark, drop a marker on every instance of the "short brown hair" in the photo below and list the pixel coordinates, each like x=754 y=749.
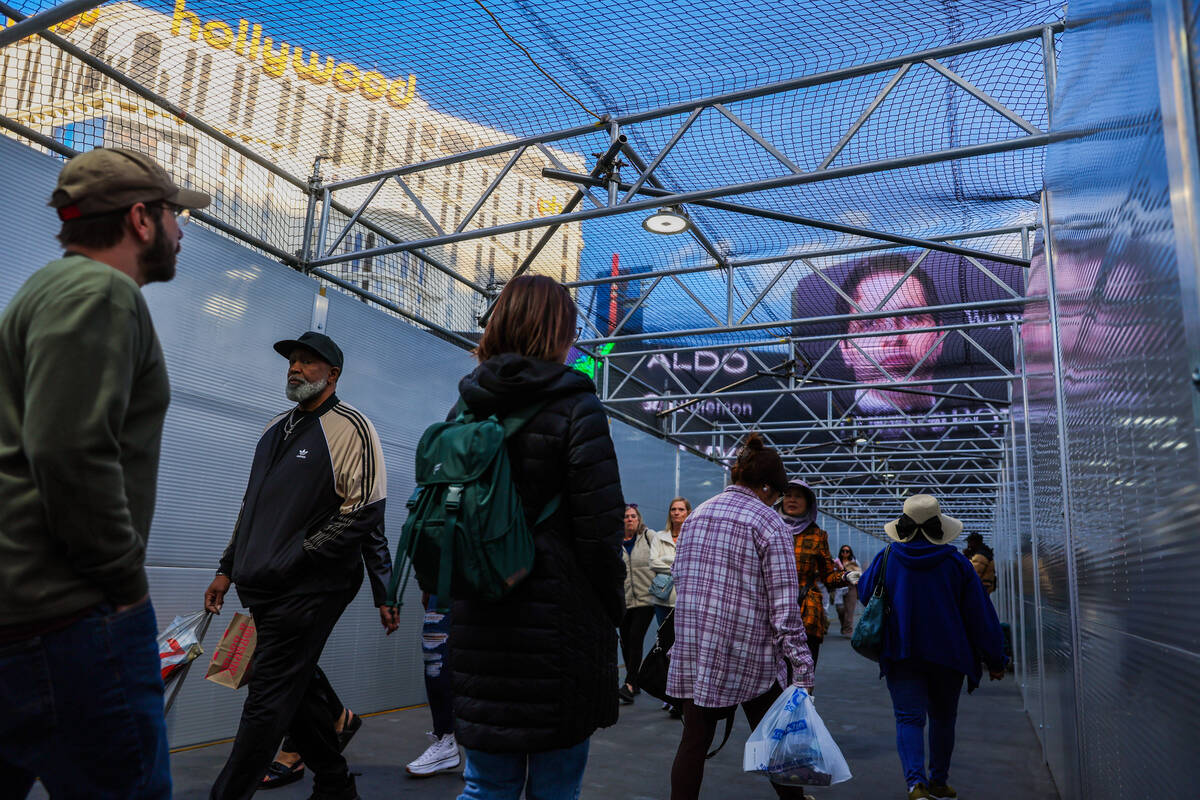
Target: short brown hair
x=95 y=232
x=534 y=316
x=758 y=465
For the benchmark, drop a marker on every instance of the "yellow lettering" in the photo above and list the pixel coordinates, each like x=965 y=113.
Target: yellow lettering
x=401 y=92
x=181 y=16
x=275 y=64
x=90 y=18
x=66 y=26
x=373 y=85
x=239 y=44
x=345 y=77
x=255 y=33
x=218 y=34
x=311 y=71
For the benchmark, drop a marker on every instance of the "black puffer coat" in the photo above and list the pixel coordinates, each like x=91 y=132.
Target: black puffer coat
x=538 y=670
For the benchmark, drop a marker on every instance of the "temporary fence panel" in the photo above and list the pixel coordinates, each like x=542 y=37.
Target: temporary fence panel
x=1107 y=530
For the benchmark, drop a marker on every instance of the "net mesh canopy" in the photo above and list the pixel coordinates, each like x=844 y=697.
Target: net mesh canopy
x=804 y=140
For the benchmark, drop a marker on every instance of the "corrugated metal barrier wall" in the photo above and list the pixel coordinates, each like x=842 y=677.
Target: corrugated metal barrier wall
x=217 y=320
x=1098 y=531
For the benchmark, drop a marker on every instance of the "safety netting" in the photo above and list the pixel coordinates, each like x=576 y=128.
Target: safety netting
x=804 y=140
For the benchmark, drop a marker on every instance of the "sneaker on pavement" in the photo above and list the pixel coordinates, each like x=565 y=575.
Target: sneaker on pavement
x=919 y=792
x=942 y=791
x=440 y=756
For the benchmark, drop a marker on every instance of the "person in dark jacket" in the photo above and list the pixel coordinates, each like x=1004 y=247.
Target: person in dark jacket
x=939 y=627
x=534 y=673
x=313 y=512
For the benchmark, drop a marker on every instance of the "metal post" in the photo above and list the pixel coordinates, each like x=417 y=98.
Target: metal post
x=1018 y=577
x=43 y=20
x=323 y=225
x=1064 y=461
x=1178 y=101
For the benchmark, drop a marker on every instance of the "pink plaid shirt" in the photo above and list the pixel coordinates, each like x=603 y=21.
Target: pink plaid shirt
x=737 y=623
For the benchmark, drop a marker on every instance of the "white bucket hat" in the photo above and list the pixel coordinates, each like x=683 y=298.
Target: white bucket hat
x=922 y=514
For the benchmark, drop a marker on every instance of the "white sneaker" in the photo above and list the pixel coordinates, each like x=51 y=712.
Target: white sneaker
x=440 y=756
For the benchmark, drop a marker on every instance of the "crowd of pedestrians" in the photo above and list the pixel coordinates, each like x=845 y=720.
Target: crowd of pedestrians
x=520 y=684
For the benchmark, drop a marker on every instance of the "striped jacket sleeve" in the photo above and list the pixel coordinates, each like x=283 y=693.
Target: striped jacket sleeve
x=360 y=480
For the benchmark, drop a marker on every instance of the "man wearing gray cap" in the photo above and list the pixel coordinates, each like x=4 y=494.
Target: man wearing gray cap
x=312 y=514
x=83 y=393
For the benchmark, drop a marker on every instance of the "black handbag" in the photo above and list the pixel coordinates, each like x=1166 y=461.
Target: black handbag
x=868 y=633
x=652 y=677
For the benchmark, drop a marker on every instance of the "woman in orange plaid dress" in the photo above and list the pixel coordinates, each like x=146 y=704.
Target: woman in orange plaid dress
x=814 y=564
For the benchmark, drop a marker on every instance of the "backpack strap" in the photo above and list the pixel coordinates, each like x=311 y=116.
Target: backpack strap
x=728 y=730
x=446 y=568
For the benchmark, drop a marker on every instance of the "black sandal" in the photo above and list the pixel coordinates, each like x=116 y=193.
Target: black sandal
x=348 y=730
x=281 y=775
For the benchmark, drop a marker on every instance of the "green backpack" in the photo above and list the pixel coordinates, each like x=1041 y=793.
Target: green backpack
x=466 y=534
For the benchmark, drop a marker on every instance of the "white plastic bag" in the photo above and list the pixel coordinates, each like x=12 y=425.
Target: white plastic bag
x=793 y=747
x=179 y=644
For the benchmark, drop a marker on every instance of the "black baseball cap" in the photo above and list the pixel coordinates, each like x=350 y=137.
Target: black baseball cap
x=319 y=343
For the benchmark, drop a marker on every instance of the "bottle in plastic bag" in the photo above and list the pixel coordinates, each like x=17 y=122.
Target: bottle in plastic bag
x=792 y=746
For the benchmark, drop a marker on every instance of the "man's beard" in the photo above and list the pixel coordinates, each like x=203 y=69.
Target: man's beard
x=305 y=391
x=157 y=261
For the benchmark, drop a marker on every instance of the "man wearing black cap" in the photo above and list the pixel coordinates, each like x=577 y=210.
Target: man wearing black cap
x=313 y=512
x=83 y=393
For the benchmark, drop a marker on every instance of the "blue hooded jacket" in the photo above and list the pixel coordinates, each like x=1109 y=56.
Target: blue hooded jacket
x=939 y=610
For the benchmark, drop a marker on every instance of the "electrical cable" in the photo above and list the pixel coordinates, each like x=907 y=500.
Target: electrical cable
x=533 y=61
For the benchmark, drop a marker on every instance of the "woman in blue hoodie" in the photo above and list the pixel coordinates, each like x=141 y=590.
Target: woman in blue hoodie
x=939 y=628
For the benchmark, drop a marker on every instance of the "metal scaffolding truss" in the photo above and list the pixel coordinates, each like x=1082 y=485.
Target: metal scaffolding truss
x=725 y=301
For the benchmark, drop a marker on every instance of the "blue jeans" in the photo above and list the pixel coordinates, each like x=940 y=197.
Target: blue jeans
x=551 y=775
x=83 y=710
x=439 y=682
x=922 y=690
x=660 y=613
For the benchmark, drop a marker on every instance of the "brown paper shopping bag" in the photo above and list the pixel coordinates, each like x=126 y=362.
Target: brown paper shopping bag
x=231 y=660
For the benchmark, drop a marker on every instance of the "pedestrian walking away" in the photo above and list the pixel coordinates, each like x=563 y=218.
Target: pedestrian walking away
x=535 y=671
x=739 y=637
x=939 y=625
x=639 y=603
x=814 y=564
x=83 y=394
x=312 y=515
x=982 y=559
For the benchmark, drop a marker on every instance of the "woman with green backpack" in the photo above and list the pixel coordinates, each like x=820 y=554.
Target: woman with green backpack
x=534 y=670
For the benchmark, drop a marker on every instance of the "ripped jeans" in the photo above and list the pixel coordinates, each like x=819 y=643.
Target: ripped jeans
x=439 y=683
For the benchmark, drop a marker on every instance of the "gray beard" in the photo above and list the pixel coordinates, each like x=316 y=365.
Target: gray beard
x=305 y=391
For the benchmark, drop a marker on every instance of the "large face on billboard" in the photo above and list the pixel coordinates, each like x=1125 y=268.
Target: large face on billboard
x=893 y=335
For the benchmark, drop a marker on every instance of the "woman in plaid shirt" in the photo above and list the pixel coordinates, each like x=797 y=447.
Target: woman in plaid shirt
x=738 y=631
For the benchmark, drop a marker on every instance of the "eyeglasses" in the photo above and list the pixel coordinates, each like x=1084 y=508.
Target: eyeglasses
x=181 y=214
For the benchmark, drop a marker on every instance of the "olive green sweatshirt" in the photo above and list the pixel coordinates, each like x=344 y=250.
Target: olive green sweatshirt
x=83 y=393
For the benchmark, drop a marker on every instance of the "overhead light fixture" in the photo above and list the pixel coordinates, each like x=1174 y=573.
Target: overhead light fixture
x=667 y=221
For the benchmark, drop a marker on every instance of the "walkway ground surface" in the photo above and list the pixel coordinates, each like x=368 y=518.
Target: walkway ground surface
x=997 y=756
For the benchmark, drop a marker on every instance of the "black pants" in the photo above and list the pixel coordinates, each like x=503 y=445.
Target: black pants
x=281 y=697
x=321 y=692
x=634 y=625
x=699 y=727
x=814 y=647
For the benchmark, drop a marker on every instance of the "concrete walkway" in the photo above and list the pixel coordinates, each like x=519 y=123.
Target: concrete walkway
x=997 y=755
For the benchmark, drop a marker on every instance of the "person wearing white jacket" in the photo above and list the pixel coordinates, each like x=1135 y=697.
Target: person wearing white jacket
x=662 y=556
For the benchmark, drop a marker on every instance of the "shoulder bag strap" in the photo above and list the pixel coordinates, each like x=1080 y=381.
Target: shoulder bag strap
x=728 y=730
